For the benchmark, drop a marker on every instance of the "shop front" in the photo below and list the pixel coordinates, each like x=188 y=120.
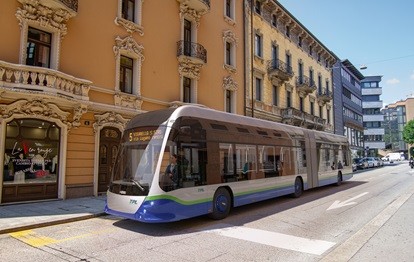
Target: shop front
x=31 y=160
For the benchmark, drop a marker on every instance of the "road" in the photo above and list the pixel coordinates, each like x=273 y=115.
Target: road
x=368 y=218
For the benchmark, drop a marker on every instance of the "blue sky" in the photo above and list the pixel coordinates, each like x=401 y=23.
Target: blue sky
x=375 y=33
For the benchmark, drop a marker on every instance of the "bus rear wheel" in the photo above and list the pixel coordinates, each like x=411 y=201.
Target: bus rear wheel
x=221 y=204
x=298 y=187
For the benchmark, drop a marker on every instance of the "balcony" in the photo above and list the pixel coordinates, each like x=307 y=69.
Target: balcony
x=279 y=71
x=296 y=117
x=192 y=51
x=305 y=85
x=29 y=79
x=324 y=96
x=200 y=6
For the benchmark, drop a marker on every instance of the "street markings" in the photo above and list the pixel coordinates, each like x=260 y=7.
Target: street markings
x=348 y=202
x=31 y=238
x=36 y=240
x=278 y=240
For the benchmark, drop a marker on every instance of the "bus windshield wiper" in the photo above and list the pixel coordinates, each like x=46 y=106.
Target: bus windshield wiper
x=137 y=184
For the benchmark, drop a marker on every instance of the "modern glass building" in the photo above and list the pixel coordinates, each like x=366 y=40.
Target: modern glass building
x=372 y=117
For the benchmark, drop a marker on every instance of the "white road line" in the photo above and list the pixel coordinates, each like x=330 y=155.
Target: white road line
x=300 y=244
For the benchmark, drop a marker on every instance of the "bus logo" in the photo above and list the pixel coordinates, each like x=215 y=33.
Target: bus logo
x=133 y=201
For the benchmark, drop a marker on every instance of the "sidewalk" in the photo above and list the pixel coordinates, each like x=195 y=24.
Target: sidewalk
x=18 y=217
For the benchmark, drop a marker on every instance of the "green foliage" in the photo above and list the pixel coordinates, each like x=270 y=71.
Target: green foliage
x=408 y=132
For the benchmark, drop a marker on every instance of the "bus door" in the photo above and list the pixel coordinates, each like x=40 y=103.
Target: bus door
x=312 y=160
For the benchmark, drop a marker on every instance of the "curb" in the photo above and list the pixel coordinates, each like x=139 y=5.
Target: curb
x=50 y=223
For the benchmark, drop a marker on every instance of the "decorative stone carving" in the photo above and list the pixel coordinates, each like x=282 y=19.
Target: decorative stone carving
x=229 y=36
x=34 y=108
x=189 y=69
x=128 y=101
x=35 y=12
x=130 y=26
x=77 y=115
x=186 y=11
x=230 y=84
x=129 y=46
x=109 y=119
x=230 y=69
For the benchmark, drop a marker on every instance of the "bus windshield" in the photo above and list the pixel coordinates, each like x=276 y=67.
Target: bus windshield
x=136 y=161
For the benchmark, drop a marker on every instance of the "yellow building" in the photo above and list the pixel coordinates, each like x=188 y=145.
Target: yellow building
x=72 y=73
x=291 y=80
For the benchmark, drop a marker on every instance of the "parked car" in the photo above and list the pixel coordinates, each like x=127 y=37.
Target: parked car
x=371 y=161
x=359 y=163
x=380 y=162
x=392 y=157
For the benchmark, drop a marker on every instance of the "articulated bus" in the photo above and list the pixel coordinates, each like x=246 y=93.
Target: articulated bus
x=222 y=161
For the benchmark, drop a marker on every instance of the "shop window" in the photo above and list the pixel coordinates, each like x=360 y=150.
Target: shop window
x=31 y=152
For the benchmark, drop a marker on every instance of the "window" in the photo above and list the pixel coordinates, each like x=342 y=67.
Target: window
x=312 y=108
x=186 y=90
x=229 y=102
x=300 y=41
x=320 y=84
x=126 y=74
x=311 y=80
x=310 y=50
x=258 y=7
x=274 y=20
x=275 y=96
x=128 y=10
x=288 y=99
x=38 y=48
x=289 y=62
x=258 y=89
x=228 y=53
x=320 y=112
x=301 y=104
x=229 y=10
x=288 y=31
x=258 y=45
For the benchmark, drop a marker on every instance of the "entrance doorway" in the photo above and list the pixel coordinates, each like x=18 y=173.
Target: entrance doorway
x=108 y=148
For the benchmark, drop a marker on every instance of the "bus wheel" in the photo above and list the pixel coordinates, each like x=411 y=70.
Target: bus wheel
x=298 y=187
x=339 y=179
x=221 y=204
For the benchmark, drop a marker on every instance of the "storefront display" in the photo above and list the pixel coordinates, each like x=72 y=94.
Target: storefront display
x=30 y=160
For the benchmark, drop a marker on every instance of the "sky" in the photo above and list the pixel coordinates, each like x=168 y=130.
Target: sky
x=376 y=33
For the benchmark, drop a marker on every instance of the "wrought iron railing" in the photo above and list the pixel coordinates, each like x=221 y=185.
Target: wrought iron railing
x=72 y=4
x=191 y=49
x=276 y=64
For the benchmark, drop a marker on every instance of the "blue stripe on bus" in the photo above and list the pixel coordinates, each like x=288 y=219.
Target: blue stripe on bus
x=167 y=210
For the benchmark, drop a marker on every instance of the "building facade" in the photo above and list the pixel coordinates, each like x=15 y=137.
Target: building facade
x=71 y=78
x=288 y=69
x=348 y=105
x=372 y=117
x=396 y=116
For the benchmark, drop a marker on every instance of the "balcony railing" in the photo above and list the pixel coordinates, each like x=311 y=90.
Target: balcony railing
x=192 y=50
x=72 y=4
x=297 y=117
x=305 y=85
x=43 y=80
x=279 y=69
x=324 y=95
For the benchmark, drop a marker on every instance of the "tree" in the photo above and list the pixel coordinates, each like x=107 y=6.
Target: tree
x=408 y=132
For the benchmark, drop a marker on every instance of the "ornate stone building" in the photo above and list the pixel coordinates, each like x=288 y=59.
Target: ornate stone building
x=72 y=77
x=291 y=80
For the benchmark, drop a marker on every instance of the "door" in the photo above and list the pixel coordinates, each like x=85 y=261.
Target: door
x=108 y=148
x=187 y=37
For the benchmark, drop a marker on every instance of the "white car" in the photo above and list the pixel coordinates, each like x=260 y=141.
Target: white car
x=372 y=162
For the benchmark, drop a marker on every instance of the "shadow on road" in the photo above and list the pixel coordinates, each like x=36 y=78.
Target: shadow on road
x=238 y=215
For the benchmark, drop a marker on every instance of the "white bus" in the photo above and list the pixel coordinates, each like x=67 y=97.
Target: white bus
x=221 y=161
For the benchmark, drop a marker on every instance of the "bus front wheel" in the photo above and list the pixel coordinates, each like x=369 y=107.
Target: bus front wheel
x=298 y=187
x=221 y=204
